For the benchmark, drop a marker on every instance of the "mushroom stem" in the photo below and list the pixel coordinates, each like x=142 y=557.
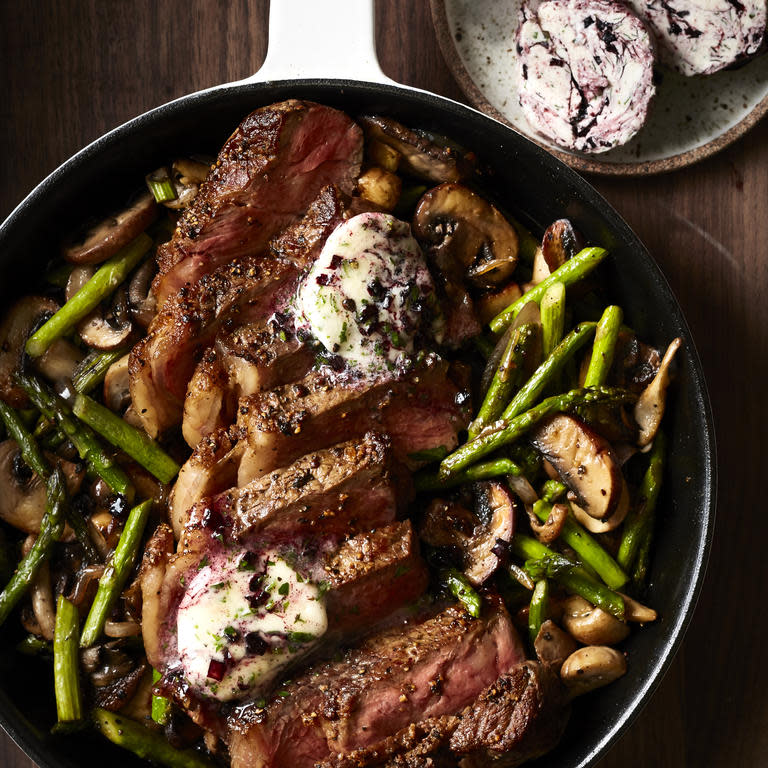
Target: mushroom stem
x=42 y=601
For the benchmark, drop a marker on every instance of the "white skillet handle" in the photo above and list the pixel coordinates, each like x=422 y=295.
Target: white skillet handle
x=321 y=39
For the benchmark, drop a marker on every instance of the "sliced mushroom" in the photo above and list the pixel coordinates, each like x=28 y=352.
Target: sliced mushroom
x=591 y=625
x=649 y=408
x=380 y=187
x=472 y=234
x=614 y=521
x=492 y=302
x=560 y=243
x=78 y=277
x=22 y=492
x=111 y=329
x=24 y=316
x=553 y=645
x=637 y=612
x=419 y=156
x=187 y=174
x=383 y=155
x=142 y=301
x=550 y=530
x=584 y=462
x=58 y=364
x=107 y=237
x=117 y=394
x=592 y=667
x=481 y=539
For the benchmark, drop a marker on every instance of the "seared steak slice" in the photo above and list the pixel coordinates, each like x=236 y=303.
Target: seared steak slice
x=162 y=364
x=701 y=38
x=265 y=176
x=265 y=353
x=206 y=603
x=584 y=72
x=418 y=412
x=346 y=488
x=381 y=695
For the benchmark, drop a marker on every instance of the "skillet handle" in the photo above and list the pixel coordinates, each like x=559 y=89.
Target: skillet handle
x=321 y=39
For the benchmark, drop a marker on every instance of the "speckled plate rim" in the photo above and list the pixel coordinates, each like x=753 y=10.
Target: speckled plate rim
x=579 y=162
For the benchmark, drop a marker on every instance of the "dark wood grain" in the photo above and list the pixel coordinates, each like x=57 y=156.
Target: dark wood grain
x=72 y=69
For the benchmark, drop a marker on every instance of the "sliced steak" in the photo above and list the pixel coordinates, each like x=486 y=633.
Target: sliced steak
x=265 y=176
x=162 y=364
x=382 y=696
x=584 y=72
x=265 y=353
x=229 y=616
x=419 y=412
x=349 y=487
x=698 y=38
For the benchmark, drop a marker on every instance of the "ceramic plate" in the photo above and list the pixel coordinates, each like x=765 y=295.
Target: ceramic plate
x=691 y=118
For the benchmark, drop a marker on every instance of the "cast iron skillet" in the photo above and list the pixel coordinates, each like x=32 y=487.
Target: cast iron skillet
x=524 y=177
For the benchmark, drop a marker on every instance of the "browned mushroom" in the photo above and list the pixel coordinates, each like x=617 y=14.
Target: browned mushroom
x=614 y=521
x=553 y=645
x=482 y=539
x=584 y=462
x=383 y=155
x=58 y=364
x=649 y=408
x=142 y=301
x=41 y=594
x=550 y=530
x=560 y=243
x=22 y=492
x=592 y=667
x=107 y=237
x=380 y=187
x=187 y=175
x=492 y=302
x=418 y=154
x=117 y=395
x=111 y=329
x=24 y=316
x=473 y=236
x=592 y=625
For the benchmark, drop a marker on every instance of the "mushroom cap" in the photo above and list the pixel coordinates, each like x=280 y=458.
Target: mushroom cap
x=109 y=235
x=477 y=240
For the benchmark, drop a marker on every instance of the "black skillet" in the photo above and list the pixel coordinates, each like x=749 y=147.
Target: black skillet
x=335 y=38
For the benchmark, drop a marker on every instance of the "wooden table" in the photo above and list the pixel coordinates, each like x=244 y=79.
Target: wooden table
x=71 y=70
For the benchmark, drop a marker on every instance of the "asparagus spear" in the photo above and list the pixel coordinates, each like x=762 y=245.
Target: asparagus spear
x=111 y=274
x=30 y=451
x=161 y=707
x=537 y=612
x=547 y=371
x=51 y=528
x=66 y=677
x=542 y=562
x=92 y=370
x=569 y=273
x=504 y=432
x=135 y=442
x=639 y=522
x=505 y=378
x=84 y=440
x=552 y=317
x=117 y=572
x=553 y=490
x=147 y=744
x=605 y=345
x=586 y=547
x=458 y=585
x=431 y=481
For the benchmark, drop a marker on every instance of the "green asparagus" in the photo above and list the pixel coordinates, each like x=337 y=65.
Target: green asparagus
x=135 y=442
x=147 y=744
x=458 y=585
x=117 y=571
x=161 y=707
x=84 y=440
x=66 y=676
x=553 y=490
x=586 y=547
x=639 y=522
x=537 y=612
x=505 y=379
x=51 y=528
x=569 y=273
x=605 y=345
x=30 y=451
x=92 y=370
x=431 y=481
x=111 y=274
x=505 y=432
x=552 y=317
